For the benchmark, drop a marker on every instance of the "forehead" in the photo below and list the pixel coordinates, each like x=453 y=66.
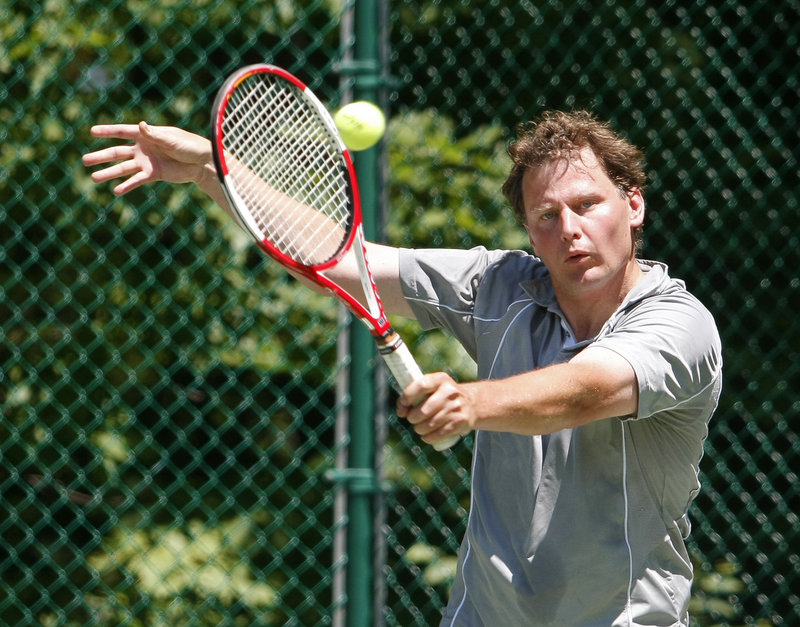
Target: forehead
x=577 y=173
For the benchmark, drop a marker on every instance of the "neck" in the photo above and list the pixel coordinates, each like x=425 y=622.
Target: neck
x=589 y=309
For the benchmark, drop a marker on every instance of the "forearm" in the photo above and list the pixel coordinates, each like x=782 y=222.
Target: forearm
x=596 y=384
x=561 y=396
x=534 y=403
x=384 y=266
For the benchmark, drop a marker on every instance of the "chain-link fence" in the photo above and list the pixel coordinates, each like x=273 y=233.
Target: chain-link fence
x=170 y=399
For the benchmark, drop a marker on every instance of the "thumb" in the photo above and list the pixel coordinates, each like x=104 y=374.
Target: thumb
x=418 y=390
x=152 y=134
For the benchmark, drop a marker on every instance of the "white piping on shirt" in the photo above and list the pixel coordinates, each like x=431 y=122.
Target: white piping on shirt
x=466 y=534
x=464 y=312
x=503 y=339
x=700 y=392
x=474 y=457
x=626 y=515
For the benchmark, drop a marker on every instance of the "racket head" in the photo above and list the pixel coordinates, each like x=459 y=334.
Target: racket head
x=291 y=184
x=286 y=172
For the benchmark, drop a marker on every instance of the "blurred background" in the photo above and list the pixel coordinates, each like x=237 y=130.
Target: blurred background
x=177 y=413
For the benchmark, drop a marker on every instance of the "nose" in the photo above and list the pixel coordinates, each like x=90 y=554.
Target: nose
x=570 y=224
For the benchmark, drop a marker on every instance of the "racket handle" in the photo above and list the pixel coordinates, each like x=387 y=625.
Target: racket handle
x=405 y=369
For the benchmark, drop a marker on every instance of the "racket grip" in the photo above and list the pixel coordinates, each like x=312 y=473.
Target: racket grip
x=405 y=369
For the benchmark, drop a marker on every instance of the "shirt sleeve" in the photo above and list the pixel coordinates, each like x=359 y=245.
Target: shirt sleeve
x=441 y=287
x=672 y=343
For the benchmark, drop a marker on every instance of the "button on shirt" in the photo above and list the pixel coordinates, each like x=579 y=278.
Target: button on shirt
x=584 y=526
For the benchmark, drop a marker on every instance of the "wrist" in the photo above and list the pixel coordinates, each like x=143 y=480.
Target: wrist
x=209 y=183
x=206 y=177
x=498 y=406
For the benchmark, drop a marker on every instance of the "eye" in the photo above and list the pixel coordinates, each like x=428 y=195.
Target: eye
x=586 y=204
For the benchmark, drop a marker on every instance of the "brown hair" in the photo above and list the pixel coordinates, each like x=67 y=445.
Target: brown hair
x=560 y=135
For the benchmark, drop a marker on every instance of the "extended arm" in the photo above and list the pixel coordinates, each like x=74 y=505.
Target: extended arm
x=165 y=153
x=596 y=384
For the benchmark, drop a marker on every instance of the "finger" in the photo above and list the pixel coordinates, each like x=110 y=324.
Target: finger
x=416 y=391
x=149 y=132
x=419 y=399
x=145 y=129
x=442 y=439
x=106 y=155
x=126 y=168
x=161 y=136
x=439 y=425
x=434 y=429
x=402 y=409
x=424 y=427
x=115 y=131
x=137 y=180
x=424 y=413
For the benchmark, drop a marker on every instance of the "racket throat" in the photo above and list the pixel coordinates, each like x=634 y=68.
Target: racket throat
x=379 y=325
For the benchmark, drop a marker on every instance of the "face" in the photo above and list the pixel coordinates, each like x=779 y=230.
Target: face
x=579 y=223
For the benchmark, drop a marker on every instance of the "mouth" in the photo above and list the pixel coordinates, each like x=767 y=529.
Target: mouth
x=577 y=256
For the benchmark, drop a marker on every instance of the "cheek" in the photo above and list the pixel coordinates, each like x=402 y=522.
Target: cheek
x=624 y=230
x=610 y=226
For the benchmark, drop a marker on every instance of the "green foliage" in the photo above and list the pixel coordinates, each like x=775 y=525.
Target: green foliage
x=717 y=590
x=444 y=189
x=197 y=575
x=439 y=569
x=153 y=366
x=163 y=386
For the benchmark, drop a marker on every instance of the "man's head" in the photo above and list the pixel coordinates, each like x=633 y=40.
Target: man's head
x=558 y=136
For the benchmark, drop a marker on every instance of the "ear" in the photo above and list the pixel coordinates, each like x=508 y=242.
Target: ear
x=636 y=204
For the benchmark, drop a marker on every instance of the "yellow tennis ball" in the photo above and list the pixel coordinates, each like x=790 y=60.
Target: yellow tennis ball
x=361 y=124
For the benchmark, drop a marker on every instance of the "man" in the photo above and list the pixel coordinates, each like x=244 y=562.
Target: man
x=598 y=374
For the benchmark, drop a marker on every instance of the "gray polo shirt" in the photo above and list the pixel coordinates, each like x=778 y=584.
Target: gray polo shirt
x=584 y=526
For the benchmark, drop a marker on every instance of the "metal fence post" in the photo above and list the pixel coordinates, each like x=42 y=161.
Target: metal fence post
x=364 y=66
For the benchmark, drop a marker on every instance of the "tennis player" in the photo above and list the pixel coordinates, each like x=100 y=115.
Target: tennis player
x=598 y=374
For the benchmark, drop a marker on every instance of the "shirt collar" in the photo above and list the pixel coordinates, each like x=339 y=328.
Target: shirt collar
x=540 y=289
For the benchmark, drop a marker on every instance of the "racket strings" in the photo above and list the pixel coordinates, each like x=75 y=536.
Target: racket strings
x=290 y=171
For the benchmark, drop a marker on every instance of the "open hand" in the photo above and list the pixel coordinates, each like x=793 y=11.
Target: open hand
x=158 y=153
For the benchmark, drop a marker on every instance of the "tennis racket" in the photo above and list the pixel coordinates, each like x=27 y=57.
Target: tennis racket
x=291 y=182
